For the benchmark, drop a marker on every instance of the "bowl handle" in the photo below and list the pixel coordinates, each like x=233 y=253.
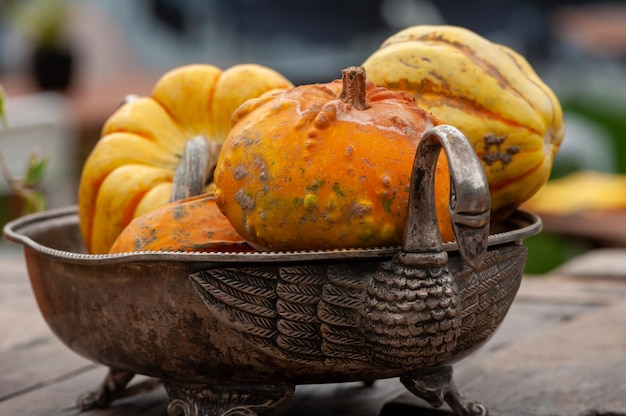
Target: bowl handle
x=470 y=201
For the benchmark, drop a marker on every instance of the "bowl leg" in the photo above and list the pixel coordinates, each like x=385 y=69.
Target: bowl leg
x=232 y=400
x=113 y=387
x=437 y=387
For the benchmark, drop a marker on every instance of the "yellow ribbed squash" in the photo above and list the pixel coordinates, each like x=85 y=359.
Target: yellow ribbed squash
x=130 y=170
x=489 y=92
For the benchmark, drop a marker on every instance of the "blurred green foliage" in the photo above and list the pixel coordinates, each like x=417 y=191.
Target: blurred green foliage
x=27 y=186
x=43 y=21
x=609 y=114
x=547 y=251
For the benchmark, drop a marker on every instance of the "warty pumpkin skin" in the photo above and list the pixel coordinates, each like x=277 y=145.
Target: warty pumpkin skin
x=192 y=224
x=489 y=92
x=130 y=170
x=323 y=166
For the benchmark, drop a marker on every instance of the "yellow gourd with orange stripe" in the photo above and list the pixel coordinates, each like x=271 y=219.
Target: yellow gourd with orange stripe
x=489 y=92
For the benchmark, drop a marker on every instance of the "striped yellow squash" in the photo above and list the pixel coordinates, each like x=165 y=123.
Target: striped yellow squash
x=489 y=92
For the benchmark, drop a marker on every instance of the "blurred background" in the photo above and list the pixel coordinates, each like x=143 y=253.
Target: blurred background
x=95 y=52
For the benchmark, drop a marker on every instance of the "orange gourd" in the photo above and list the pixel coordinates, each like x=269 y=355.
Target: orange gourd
x=324 y=166
x=192 y=224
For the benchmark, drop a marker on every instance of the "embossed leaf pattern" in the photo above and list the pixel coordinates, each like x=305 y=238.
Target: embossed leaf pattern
x=299 y=291
x=244 y=297
x=487 y=294
x=339 y=311
x=327 y=313
x=304 y=313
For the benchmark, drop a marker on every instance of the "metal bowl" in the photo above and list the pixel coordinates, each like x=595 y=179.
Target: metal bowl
x=235 y=332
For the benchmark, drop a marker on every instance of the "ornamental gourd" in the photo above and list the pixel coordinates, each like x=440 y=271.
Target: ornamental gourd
x=130 y=170
x=489 y=92
x=192 y=221
x=324 y=166
x=191 y=224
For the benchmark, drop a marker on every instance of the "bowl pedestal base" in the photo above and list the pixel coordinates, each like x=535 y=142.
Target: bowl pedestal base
x=435 y=386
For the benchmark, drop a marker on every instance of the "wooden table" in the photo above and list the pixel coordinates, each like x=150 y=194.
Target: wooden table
x=560 y=351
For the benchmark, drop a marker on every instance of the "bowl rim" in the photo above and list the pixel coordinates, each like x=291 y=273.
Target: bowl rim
x=522 y=224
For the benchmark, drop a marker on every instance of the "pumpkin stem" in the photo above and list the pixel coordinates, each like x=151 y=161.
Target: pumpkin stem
x=353 y=90
x=196 y=168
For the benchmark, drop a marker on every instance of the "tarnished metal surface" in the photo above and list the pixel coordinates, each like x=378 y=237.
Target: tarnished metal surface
x=282 y=319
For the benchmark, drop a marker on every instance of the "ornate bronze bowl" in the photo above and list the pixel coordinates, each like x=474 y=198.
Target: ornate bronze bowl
x=234 y=333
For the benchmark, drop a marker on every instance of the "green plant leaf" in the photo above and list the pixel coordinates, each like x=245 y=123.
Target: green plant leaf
x=3 y=119
x=35 y=170
x=34 y=202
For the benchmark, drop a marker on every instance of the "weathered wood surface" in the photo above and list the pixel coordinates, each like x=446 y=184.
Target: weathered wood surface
x=560 y=351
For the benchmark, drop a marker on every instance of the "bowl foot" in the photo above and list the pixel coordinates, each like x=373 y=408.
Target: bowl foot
x=237 y=400
x=437 y=387
x=112 y=388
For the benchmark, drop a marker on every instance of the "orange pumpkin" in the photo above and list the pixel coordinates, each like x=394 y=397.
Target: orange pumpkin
x=192 y=224
x=324 y=166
